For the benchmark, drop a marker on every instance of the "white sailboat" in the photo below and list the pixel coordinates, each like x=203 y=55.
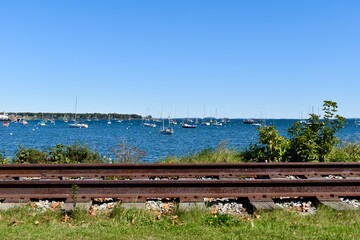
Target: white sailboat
x=77 y=124
x=148 y=121
x=168 y=130
x=109 y=120
x=4 y=117
x=216 y=122
x=42 y=121
x=204 y=122
x=187 y=123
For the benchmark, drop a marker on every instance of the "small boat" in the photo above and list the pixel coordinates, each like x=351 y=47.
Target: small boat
x=6 y=123
x=109 y=120
x=149 y=124
x=76 y=124
x=205 y=123
x=168 y=130
x=188 y=125
x=42 y=123
x=217 y=124
x=249 y=121
x=4 y=117
x=65 y=119
x=357 y=122
x=173 y=122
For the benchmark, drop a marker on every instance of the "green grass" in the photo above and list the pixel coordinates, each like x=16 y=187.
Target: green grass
x=221 y=154
x=26 y=223
x=347 y=152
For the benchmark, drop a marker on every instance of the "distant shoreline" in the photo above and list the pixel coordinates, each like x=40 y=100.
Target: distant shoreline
x=60 y=116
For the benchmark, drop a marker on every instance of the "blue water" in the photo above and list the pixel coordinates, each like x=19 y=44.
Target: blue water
x=104 y=138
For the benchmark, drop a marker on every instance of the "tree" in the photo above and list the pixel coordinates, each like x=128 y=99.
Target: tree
x=314 y=140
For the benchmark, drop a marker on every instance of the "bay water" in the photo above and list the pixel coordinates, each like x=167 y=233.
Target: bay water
x=103 y=137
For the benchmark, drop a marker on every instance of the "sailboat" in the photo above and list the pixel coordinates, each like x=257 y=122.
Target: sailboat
x=42 y=121
x=187 y=123
x=168 y=130
x=109 y=121
x=203 y=121
x=216 y=123
x=357 y=122
x=148 y=121
x=76 y=124
x=4 y=117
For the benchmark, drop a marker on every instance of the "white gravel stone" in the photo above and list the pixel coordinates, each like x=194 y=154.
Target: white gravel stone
x=352 y=201
x=226 y=206
x=333 y=177
x=160 y=205
x=299 y=205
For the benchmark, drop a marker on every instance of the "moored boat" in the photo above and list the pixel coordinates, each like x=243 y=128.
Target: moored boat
x=77 y=124
x=168 y=130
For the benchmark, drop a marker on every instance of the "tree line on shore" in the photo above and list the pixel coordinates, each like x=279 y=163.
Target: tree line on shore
x=61 y=116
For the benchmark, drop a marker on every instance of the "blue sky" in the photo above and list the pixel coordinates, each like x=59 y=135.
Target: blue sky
x=269 y=59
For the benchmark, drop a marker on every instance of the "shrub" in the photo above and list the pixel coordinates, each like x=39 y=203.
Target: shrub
x=79 y=153
x=315 y=140
x=275 y=146
x=30 y=155
x=76 y=153
x=126 y=153
x=308 y=142
x=4 y=159
x=347 y=152
x=58 y=154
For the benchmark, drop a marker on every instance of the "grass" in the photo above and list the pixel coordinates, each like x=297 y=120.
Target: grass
x=27 y=223
x=221 y=154
x=347 y=152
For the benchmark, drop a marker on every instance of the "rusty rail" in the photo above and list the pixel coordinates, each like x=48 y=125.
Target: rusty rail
x=185 y=191
x=186 y=182
x=144 y=171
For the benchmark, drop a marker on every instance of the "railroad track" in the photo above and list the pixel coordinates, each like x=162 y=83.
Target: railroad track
x=257 y=183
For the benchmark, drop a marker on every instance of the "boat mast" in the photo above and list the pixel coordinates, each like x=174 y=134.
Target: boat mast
x=75 y=107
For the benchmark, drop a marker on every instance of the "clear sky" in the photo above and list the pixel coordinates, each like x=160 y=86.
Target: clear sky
x=254 y=58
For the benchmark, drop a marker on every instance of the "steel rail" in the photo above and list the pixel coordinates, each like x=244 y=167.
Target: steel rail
x=184 y=190
x=139 y=171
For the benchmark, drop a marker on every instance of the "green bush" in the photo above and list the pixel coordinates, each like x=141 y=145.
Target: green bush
x=347 y=152
x=29 y=155
x=58 y=154
x=313 y=141
x=76 y=153
x=276 y=146
x=3 y=158
x=79 y=153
